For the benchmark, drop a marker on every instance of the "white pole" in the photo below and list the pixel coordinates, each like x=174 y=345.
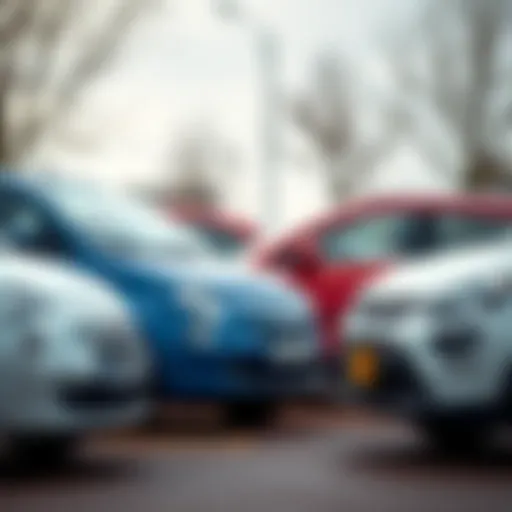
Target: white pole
x=268 y=122
x=269 y=126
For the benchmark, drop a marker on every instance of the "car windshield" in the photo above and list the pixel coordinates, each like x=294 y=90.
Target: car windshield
x=125 y=226
x=225 y=244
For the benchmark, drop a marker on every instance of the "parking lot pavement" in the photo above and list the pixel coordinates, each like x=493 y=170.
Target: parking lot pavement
x=312 y=462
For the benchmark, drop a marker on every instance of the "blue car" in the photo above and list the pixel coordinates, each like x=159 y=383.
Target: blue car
x=216 y=332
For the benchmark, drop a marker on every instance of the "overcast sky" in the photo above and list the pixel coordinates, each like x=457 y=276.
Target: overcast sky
x=186 y=65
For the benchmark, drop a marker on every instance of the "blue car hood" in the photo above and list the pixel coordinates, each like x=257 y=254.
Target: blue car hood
x=237 y=284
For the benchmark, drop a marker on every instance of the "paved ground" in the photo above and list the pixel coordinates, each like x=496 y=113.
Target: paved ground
x=314 y=462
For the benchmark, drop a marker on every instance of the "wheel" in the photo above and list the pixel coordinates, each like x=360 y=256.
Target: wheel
x=455 y=436
x=250 y=414
x=47 y=450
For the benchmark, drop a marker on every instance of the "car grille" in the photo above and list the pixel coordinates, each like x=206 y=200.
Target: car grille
x=90 y=396
x=263 y=372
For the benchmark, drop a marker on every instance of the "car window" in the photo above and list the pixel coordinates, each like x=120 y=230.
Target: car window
x=376 y=238
x=119 y=224
x=455 y=230
x=409 y=235
x=225 y=244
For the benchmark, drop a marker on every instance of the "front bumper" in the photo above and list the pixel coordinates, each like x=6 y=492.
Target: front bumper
x=396 y=388
x=78 y=406
x=281 y=379
x=242 y=378
x=399 y=390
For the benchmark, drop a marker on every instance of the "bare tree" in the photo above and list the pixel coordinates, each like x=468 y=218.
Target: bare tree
x=327 y=115
x=203 y=162
x=51 y=51
x=461 y=41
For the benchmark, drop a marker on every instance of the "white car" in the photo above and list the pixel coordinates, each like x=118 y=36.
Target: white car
x=70 y=359
x=432 y=341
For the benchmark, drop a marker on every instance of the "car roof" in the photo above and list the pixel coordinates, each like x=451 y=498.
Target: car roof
x=417 y=201
x=470 y=202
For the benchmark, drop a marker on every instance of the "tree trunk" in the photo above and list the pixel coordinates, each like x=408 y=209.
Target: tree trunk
x=485 y=172
x=5 y=79
x=485 y=17
x=4 y=146
x=335 y=182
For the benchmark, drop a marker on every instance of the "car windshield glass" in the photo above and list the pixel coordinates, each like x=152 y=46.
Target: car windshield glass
x=225 y=244
x=126 y=226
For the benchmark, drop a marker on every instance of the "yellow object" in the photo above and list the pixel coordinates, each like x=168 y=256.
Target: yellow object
x=363 y=367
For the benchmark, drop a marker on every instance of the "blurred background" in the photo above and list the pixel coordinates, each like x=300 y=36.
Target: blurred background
x=274 y=109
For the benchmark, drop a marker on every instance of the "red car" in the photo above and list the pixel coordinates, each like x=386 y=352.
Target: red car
x=227 y=234
x=334 y=257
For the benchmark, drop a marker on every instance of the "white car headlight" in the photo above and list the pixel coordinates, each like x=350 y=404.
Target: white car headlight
x=473 y=299
x=489 y=295
x=205 y=311
x=496 y=292
x=21 y=321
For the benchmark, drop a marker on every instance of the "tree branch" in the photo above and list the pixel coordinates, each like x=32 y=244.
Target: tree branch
x=101 y=47
x=357 y=165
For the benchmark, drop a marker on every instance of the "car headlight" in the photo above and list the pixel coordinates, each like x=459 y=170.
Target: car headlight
x=496 y=292
x=447 y=308
x=21 y=317
x=489 y=295
x=204 y=310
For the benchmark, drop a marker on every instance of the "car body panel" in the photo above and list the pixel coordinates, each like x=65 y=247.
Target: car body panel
x=226 y=232
x=334 y=286
x=153 y=290
x=68 y=323
x=434 y=300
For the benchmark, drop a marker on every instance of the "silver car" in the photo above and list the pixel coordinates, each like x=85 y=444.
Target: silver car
x=431 y=341
x=70 y=359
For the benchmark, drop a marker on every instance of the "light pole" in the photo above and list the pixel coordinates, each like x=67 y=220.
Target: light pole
x=267 y=54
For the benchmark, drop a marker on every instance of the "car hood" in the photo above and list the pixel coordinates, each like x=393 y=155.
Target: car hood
x=58 y=281
x=446 y=271
x=236 y=283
